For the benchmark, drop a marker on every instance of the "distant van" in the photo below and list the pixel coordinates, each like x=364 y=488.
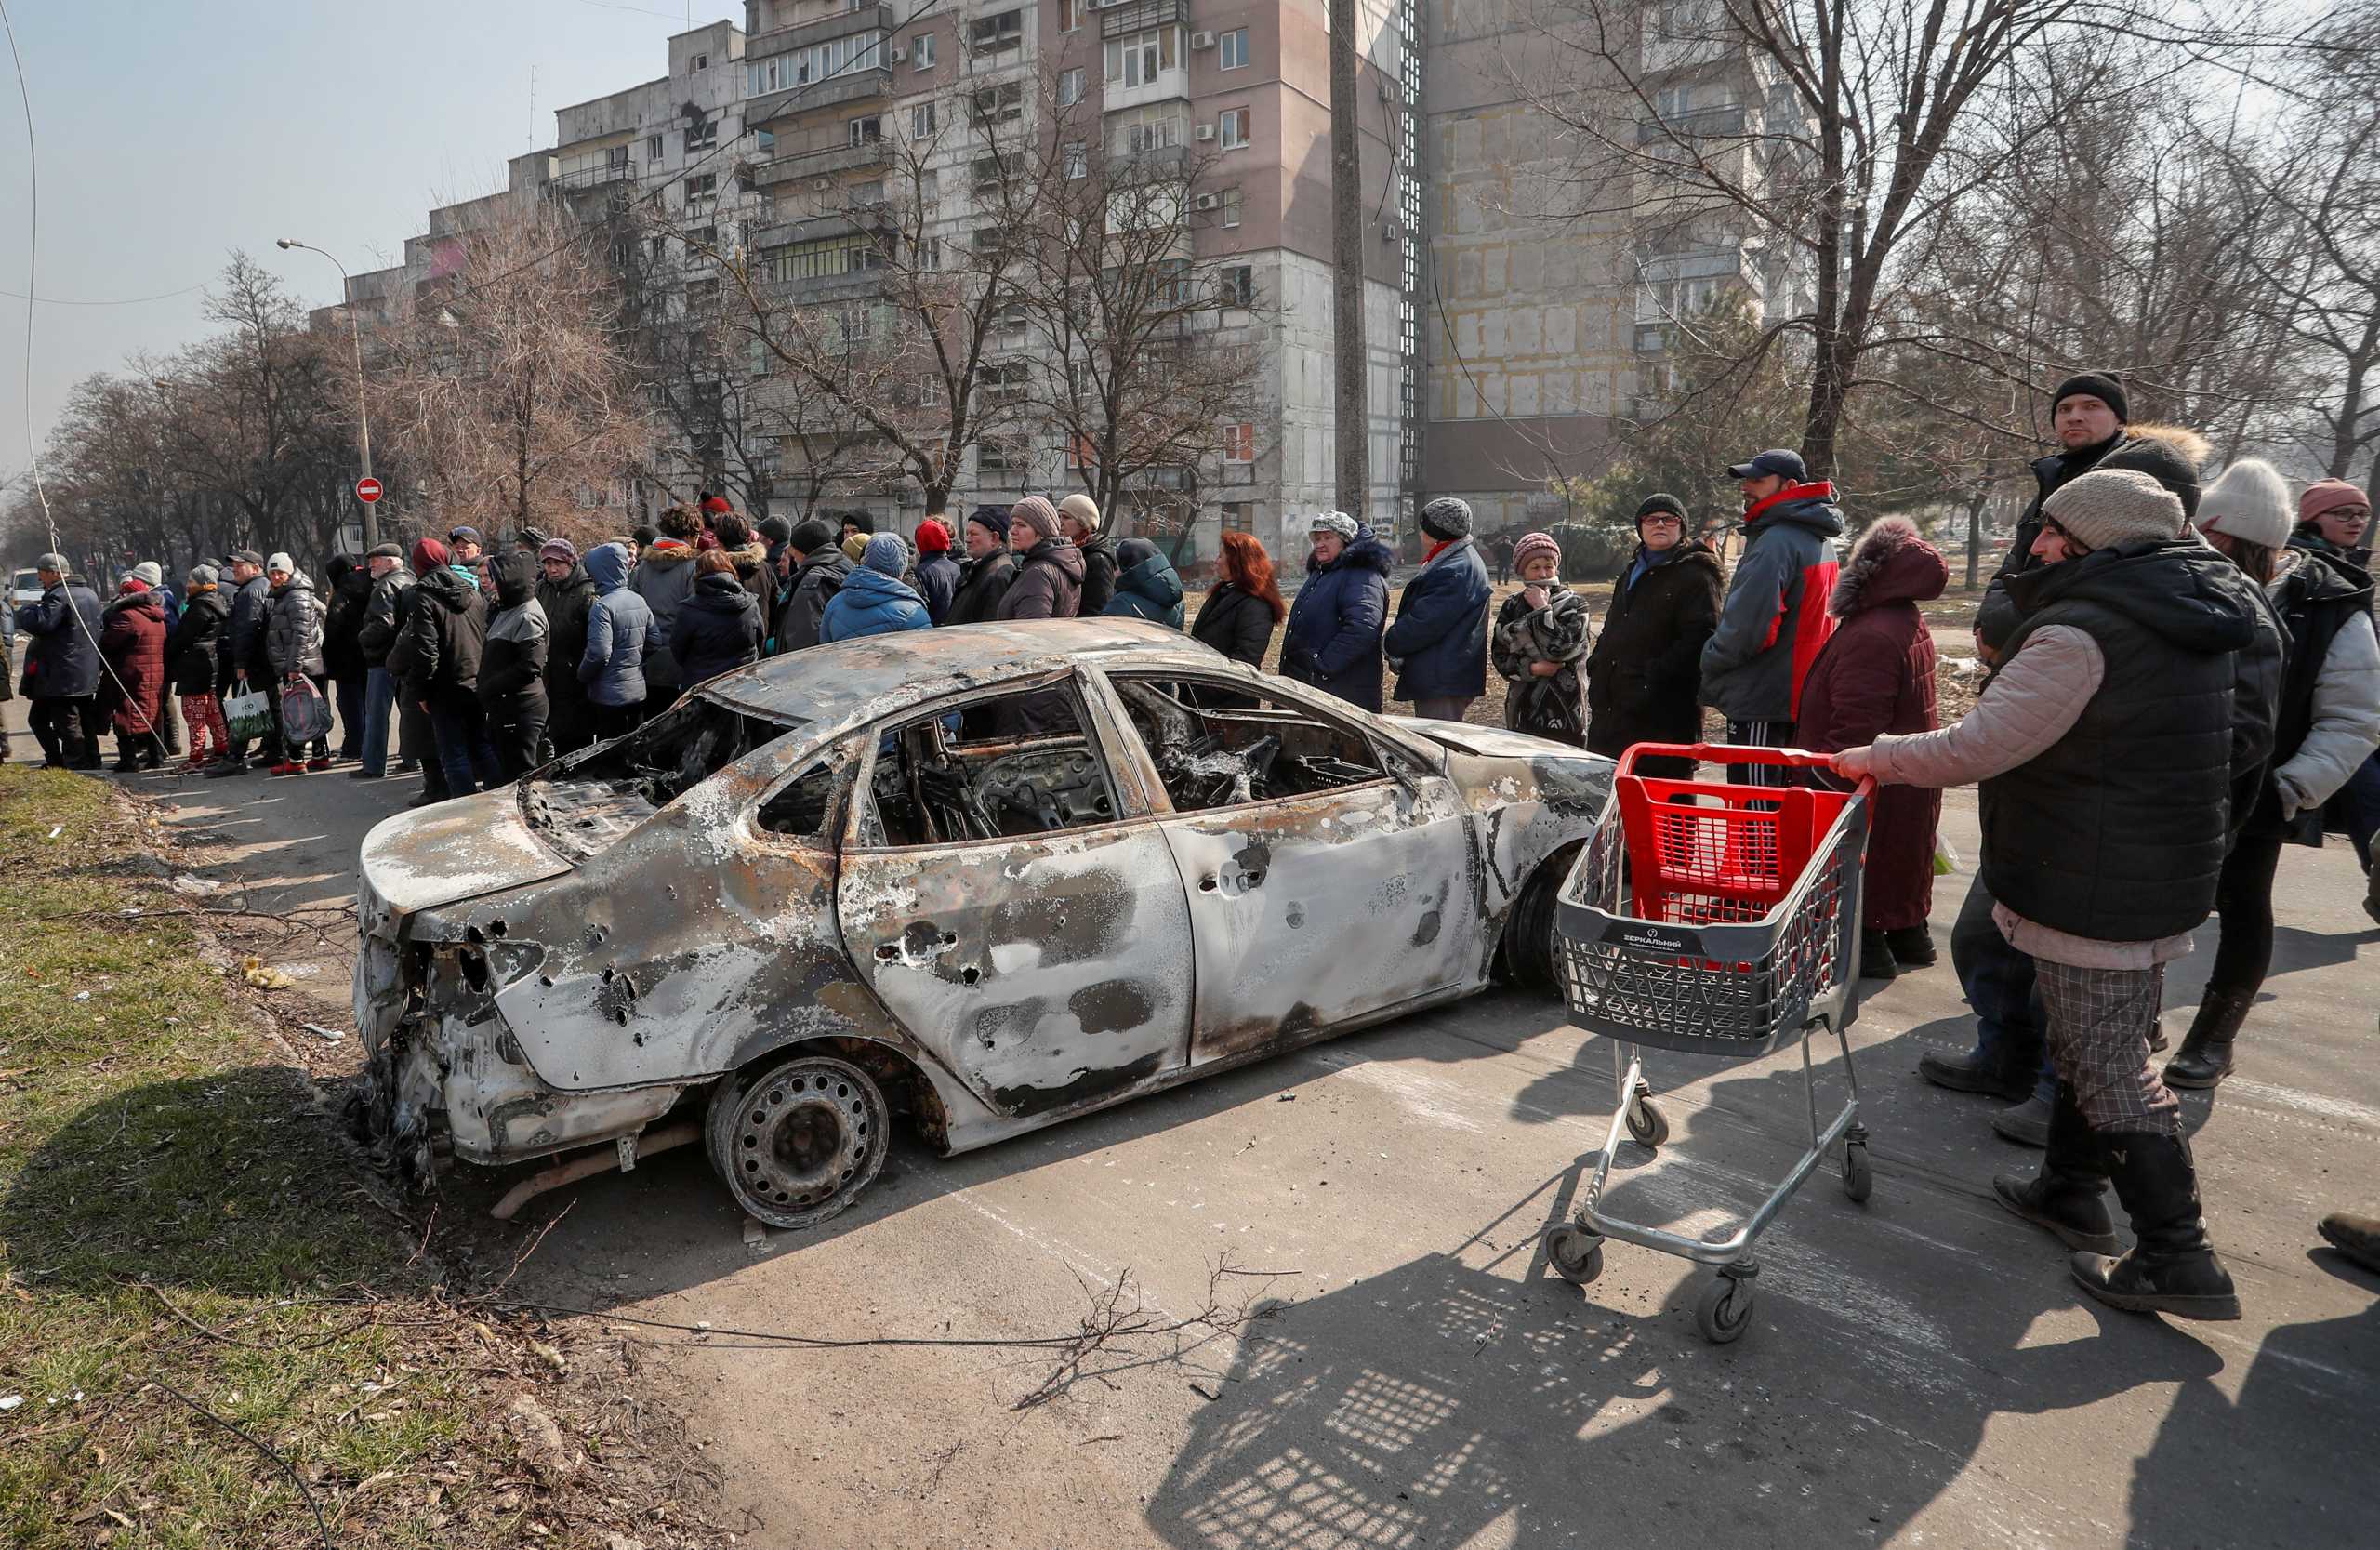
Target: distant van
x=24 y=588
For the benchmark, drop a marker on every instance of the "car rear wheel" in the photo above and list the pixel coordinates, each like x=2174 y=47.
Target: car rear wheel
x=1530 y=950
x=796 y=1143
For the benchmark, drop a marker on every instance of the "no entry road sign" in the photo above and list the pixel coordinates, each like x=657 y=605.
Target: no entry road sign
x=367 y=490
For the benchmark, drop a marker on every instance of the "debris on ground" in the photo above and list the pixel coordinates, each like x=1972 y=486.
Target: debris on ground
x=263 y=976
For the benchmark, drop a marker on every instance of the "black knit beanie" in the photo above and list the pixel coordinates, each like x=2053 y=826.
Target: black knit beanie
x=2163 y=461
x=2101 y=385
x=810 y=536
x=1661 y=502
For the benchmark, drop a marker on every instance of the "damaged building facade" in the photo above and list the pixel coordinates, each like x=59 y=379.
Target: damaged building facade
x=1506 y=345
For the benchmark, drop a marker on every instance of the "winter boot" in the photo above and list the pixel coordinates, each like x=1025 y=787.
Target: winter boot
x=2172 y=1269
x=2356 y=1237
x=1875 y=957
x=2205 y=1055
x=2027 y=1124
x=2069 y=1195
x=1912 y=947
x=1975 y=1072
x=2372 y=894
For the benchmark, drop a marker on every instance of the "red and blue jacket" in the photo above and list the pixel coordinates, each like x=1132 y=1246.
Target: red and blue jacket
x=1775 y=620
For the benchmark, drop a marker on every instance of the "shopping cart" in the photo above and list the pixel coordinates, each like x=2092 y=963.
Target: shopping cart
x=1714 y=919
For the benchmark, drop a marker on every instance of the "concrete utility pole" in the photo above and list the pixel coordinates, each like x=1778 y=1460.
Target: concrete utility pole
x=1350 y=403
x=362 y=421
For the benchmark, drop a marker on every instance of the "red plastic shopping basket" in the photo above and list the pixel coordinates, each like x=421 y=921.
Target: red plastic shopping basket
x=1714 y=853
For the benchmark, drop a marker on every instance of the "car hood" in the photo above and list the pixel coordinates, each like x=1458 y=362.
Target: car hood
x=1487 y=742
x=454 y=850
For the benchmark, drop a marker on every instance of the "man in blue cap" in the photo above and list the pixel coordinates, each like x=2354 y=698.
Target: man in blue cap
x=1774 y=619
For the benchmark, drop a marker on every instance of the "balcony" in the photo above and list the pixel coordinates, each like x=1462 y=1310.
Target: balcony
x=785 y=40
x=593 y=176
x=835 y=91
x=825 y=161
x=1723 y=122
x=1139 y=16
x=873 y=220
x=1166 y=86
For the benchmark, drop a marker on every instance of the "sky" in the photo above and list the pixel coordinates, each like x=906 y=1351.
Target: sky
x=170 y=133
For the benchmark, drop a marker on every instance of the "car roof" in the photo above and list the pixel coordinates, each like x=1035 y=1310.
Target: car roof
x=848 y=681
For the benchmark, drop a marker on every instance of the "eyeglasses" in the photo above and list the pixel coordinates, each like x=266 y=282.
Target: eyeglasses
x=1660 y=519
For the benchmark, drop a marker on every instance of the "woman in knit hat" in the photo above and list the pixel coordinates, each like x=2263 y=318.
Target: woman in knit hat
x=1438 y=641
x=1333 y=639
x=2326 y=725
x=193 y=665
x=1049 y=567
x=1644 y=674
x=937 y=573
x=2103 y=746
x=2335 y=516
x=1541 y=634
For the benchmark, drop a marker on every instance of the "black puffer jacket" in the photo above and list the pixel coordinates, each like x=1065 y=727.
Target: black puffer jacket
x=1645 y=672
x=251 y=606
x=2118 y=832
x=1100 y=569
x=566 y=603
x=384 y=616
x=815 y=582
x=343 y=626
x=62 y=662
x=512 y=660
x=1238 y=624
x=982 y=583
x=718 y=629
x=444 y=637
x=194 y=653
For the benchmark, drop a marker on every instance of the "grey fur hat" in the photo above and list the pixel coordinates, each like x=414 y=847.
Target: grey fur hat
x=1446 y=518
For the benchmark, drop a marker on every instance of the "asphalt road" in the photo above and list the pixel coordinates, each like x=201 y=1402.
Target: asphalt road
x=1408 y=1373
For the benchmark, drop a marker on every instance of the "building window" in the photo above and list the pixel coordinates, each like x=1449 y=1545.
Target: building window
x=702 y=135
x=705 y=237
x=1001 y=104
x=1238 y=285
x=822 y=260
x=869 y=194
x=653 y=148
x=765 y=141
x=990 y=34
x=1228 y=204
x=1232 y=49
x=1237 y=516
x=922 y=121
x=701 y=292
x=1239 y=442
x=1142 y=130
x=702 y=186
x=929 y=254
x=1078 y=159
x=928 y=392
x=921 y=51
x=1232 y=129
x=927 y=182
x=1069 y=87
x=616 y=157
x=817 y=62
x=865 y=131
x=1069 y=15
x=699 y=61
x=987 y=173
x=1136 y=61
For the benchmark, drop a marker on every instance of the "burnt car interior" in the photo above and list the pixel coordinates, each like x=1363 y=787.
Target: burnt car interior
x=585 y=803
x=1013 y=766
x=1215 y=745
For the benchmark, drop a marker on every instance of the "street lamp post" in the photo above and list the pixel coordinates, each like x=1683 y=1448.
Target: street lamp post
x=363 y=420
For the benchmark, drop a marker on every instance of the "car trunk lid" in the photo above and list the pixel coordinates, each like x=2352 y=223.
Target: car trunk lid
x=457 y=850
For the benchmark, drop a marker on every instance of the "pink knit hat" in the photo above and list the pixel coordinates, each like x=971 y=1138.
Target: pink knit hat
x=1535 y=544
x=2328 y=494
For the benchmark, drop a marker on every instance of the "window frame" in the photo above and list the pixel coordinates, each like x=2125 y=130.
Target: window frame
x=1225 y=49
x=1389 y=753
x=1245 y=119
x=921 y=51
x=827 y=842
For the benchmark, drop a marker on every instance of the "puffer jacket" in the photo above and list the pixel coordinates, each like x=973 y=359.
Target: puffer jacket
x=664 y=577
x=1876 y=678
x=445 y=636
x=251 y=607
x=1553 y=705
x=293 y=631
x=1644 y=674
x=1146 y=587
x=194 y=651
x=384 y=615
x=612 y=666
x=1775 y=622
x=1100 y=568
x=132 y=641
x=1237 y=623
x=937 y=582
x=1336 y=621
x=63 y=660
x=343 y=620
x=1049 y=583
x=815 y=582
x=2328 y=718
x=873 y=603
x=566 y=603
x=1439 y=640
x=717 y=630
x=759 y=579
x=513 y=663
x=982 y=583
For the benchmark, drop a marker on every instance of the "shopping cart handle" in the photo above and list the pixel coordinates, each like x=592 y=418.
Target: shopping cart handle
x=1735 y=754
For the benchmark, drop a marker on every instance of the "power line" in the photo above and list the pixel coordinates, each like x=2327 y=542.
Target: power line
x=125 y=301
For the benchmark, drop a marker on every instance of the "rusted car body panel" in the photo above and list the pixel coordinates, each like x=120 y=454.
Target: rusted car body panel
x=561 y=962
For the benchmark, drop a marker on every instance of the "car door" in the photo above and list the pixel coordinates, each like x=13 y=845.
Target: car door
x=1314 y=909
x=1048 y=964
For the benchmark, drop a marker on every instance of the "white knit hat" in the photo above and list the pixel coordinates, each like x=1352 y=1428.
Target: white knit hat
x=2110 y=506
x=1334 y=522
x=2249 y=501
x=280 y=562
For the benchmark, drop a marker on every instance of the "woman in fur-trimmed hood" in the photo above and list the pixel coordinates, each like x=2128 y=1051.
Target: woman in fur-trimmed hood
x=1876 y=676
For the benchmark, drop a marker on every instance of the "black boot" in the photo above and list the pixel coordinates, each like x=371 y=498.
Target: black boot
x=1875 y=957
x=2205 y=1055
x=2069 y=1195
x=2172 y=1269
x=1975 y=1072
x=1912 y=947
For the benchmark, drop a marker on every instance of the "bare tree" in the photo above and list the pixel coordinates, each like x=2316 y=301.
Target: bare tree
x=504 y=388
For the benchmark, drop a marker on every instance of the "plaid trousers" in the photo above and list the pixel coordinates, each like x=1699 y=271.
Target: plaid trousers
x=2100 y=1021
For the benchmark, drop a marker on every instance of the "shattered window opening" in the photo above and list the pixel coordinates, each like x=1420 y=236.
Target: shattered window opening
x=1217 y=745
x=804 y=808
x=590 y=801
x=1005 y=767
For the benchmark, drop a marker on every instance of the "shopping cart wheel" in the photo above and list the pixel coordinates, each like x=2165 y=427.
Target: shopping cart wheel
x=1648 y=1126
x=1725 y=1312
x=1859 y=1180
x=1575 y=1253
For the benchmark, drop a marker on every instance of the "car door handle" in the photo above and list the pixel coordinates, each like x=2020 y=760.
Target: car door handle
x=1209 y=883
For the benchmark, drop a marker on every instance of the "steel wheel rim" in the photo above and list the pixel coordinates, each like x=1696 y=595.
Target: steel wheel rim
x=801 y=1134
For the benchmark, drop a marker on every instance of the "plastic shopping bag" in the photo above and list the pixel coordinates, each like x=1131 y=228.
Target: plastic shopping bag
x=247 y=717
x=305 y=715
x=1946 y=859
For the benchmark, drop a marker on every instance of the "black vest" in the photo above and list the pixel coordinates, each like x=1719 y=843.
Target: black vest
x=2117 y=831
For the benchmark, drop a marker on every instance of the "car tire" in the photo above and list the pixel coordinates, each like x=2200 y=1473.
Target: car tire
x=1530 y=948
x=796 y=1143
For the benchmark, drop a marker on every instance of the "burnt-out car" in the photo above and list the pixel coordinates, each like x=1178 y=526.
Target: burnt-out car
x=984 y=878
